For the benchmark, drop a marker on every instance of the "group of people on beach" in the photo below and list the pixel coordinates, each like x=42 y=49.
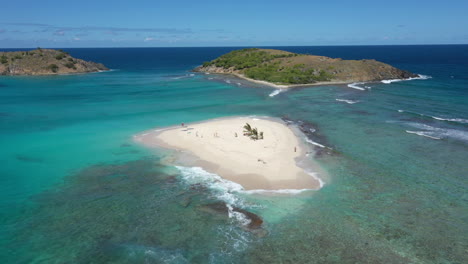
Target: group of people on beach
x=216 y=135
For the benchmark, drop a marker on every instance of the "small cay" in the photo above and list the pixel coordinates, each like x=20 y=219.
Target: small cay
x=277 y=67
x=45 y=62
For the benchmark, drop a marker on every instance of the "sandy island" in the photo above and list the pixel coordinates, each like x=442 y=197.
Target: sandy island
x=221 y=147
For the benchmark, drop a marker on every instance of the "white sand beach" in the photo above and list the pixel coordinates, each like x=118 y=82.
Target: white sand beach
x=221 y=147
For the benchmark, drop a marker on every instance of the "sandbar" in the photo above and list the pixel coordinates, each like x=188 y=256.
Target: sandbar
x=220 y=146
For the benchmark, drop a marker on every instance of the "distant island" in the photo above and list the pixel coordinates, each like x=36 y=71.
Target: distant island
x=44 y=62
x=286 y=69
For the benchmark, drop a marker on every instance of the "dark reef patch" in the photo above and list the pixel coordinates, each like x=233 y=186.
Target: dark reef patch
x=134 y=212
x=312 y=132
x=27 y=158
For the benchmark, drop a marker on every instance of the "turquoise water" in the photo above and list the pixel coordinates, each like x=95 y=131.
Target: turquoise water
x=75 y=188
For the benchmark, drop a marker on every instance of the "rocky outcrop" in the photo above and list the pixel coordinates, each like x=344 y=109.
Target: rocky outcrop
x=45 y=62
x=221 y=209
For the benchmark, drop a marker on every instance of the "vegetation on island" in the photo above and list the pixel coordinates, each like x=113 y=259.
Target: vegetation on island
x=282 y=67
x=246 y=58
x=264 y=65
x=44 y=62
x=252 y=133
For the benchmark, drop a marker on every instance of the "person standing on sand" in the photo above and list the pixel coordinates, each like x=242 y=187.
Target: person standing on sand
x=182 y=124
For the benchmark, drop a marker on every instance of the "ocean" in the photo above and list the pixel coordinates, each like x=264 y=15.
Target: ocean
x=76 y=188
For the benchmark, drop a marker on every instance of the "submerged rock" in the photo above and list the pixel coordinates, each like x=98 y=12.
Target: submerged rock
x=221 y=209
x=310 y=130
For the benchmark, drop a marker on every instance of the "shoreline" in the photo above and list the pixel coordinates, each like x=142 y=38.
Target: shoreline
x=259 y=166
x=54 y=74
x=278 y=86
x=291 y=86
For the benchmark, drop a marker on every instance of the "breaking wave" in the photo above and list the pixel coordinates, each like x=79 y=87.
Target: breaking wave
x=228 y=191
x=420 y=77
x=355 y=86
x=456 y=120
x=422 y=133
x=315 y=143
x=276 y=92
x=347 y=101
x=437 y=132
x=183 y=76
x=224 y=190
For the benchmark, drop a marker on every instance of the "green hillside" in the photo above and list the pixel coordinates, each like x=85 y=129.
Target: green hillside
x=282 y=67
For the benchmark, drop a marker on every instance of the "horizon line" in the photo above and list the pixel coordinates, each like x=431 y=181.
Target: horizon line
x=241 y=46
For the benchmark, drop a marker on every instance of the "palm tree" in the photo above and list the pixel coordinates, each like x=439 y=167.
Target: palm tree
x=248 y=130
x=254 y=134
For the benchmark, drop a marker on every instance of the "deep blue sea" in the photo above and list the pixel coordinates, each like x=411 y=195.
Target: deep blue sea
x=75 y=187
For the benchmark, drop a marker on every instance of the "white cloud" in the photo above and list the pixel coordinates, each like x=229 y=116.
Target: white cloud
x=59 y=33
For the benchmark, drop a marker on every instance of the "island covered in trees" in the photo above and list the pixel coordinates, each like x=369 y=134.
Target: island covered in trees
x=44 y=62
x=277 y=67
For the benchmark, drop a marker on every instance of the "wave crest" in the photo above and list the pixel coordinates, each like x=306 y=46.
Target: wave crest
x=355 y=86
x=276 y=92
x=347 y=101
x=420 y=77
x=448 y=119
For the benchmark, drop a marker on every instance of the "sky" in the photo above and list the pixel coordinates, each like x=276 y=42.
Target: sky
x=181 y=23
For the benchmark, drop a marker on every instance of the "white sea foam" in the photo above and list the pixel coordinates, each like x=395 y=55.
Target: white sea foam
x=347 y=101
x=238 y=216
x=227 y=191
x=183 y=76
x=314 y=143
x=228 y=81
x=456 y=120
x=276 y=92
x=437 y=132
x=314 y=175
x=223 y=189
x=355 y=86
x=282 y=191
x=238 y=240
x=420 y=77
x=422 y=133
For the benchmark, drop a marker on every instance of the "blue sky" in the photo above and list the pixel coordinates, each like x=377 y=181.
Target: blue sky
x=183 y=23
